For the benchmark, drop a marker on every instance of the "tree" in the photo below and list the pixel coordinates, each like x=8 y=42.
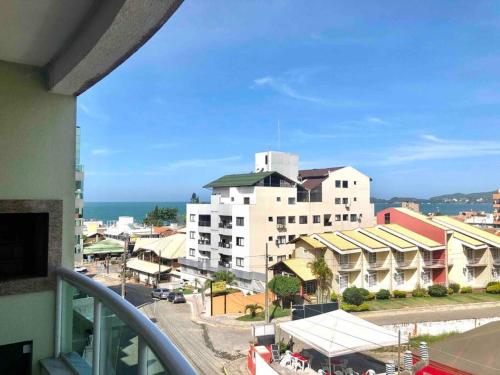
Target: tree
x=159 y=215
x=324 y=276
x=195 y=198
x=253 y=309
x=284 y=286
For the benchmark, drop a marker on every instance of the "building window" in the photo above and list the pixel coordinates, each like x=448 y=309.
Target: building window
x=344 y=184
x=345 y=217
x=270 y=259
x=278 y=199
x=270 y=219
x=232 y=199
x=337 y=200
x=270 y=238
x=338 y=183
x=355 y=182
x=191 y=252
x=399 y=277
x=291 y=237
x=281 y=240
x=240 y=241
x=192 y=217
x=316 y=219
x=246 y=200
x=354 y=218
x=266 y=159
x=240 y=221
x=387 y=218
x=344 y=259
x=355 y=199
x=281 y=258
x=191 y=235
x=338 y=218
x=372 y=279
x=239 y=262
x=426 y=277
x=291 y=200
x=345 y=200
x=372 y=257
x=291 y=219
x=303 y=219
x=400 y=257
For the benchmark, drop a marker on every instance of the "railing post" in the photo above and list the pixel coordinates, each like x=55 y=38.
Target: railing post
x=58 y=322
x=96 y=339
x=143 y=357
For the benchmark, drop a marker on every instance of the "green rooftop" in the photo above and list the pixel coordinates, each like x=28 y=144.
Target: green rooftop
x=233 y=180
x=103 y=247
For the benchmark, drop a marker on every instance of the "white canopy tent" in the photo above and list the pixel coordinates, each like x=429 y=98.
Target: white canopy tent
x=339 y=333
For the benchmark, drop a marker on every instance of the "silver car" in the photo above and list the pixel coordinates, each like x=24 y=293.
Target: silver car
x=161 y=293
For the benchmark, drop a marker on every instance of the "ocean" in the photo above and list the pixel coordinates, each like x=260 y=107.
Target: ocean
x=111 y=210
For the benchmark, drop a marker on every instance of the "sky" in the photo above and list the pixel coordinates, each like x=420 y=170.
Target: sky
x=406 y=92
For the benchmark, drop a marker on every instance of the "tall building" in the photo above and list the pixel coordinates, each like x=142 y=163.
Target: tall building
x=79 y=177
x=496 y=209
x=269 y=208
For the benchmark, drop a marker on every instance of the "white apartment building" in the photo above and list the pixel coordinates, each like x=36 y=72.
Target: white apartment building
x=269 y=208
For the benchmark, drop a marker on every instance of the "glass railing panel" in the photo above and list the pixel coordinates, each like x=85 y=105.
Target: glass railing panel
x=119 y=345
x=77 y=323
x=154 y=366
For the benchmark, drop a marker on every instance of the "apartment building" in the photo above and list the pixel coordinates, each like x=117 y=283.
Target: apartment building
x=496 y=209
x=79 y=176
x=269 y=208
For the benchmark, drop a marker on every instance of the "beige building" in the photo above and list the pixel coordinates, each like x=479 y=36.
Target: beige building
x=267 y=208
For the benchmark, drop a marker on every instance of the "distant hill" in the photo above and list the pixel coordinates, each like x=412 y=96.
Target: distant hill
x=446 y=198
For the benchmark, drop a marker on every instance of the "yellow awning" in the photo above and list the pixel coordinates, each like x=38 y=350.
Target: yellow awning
x=419 y=239
x=363 y=239
x=143 y=266
x=300 y=267
x=468 y=240
x=338 y=242
x=468 y=229
x=389 y=237
x=310 y=241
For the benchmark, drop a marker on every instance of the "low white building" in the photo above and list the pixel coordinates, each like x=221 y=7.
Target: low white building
x=269 y=208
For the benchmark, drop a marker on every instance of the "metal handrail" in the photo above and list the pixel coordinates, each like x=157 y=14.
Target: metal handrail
x=167 y=353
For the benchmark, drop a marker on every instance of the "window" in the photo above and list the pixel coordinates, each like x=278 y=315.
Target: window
x=289 y=256
x=232 y=199
x=240 y=221
x=355 y=199
x=291 y=219
x=266 y=159
x=239 y=262
x=316 y=219
x=270 y=259
x=338 y=183
x=470 y=274
x=270 y=238
x=337 y=200
x=426 y=277
x=246 y=200
x=344 y=259
x=345 y=217
x=372 y=279
x=387 y=218
x=372 y=257
x=345 y=200
x=354 y=218
x=281 y=258
x=270 y=219
x=303 y=219
x=240 y=241
x=291 y=237
x=344 y=184
x=291 y=200
x=281 y=220
x=399 y=277
x=191 y=252
x=400 y=257
x=192 y=217
x=326 y=220
x=343 y=281
x=337 y=217
x=281 y=240
x=191 y=235
x=355 y=182
x=278 y=199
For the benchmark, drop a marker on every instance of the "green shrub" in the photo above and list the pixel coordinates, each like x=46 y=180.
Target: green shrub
x=383 y=294
x=466 y=289
x=370 y=297
x=348 y=307
x=455 y=287
x=450 y=291
x=364 y=292
x=492 y=283
x=419 y=292
x=437 y=290
x=352 y=296
x=399 y=294
x=494 y=289
x=334 y=297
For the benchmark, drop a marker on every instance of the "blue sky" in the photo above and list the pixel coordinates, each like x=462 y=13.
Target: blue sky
x=407 y=92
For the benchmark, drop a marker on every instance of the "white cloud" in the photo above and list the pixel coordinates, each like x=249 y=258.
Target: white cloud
x=376 y=120
x=198 y=163
x=103 y=151
x=431 y=147
x=283 y=88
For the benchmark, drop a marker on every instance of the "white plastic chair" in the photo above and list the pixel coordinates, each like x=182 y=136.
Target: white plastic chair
x=350 y=371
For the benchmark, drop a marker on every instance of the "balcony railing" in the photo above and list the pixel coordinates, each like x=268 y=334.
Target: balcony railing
x=405 y=263
x=377 y=264
x=224 y=264
x=348 y=266
x=281 y=226
x=475 y=261
x=226 y=225
x=434 y=262
x=225 y=245
x=496 y=260
x=203 y=242
x=204 y=223
x=106 y=325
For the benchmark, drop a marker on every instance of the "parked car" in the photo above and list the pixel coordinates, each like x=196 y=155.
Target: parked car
x=171 y=297
x=81 y=269
x=161 y=293
x=179 y=298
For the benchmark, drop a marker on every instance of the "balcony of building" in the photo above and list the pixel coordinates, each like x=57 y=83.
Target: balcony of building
x=225 y=261
x=204 y=221
x=281 y=223
x=433 y=263
x=405 y=260
x=378 y=261
x=349 y=262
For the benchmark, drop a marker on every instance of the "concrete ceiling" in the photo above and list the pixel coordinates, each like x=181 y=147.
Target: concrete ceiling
x=78 y=42
x=32 y=32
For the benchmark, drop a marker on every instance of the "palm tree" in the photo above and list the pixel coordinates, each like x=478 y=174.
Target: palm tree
x=227 y=276
x=324 y=276
x=253 y=309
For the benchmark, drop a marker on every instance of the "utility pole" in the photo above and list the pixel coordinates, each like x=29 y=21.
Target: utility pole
x=159 y=270
x=124 y=263
x=266 y=308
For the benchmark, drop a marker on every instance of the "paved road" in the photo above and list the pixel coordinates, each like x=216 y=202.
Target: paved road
x=207 y=348
x=136 y=294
